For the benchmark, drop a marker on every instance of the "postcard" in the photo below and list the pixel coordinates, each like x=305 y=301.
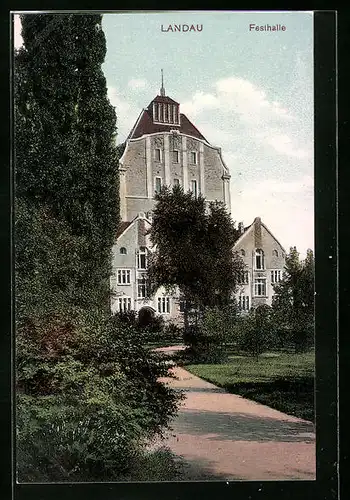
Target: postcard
x=164 y=167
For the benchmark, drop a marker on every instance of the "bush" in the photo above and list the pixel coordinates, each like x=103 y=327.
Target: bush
x=142 y=323
x=256 y=331
x=88 y=403
x=208 y=340
x=170 y=334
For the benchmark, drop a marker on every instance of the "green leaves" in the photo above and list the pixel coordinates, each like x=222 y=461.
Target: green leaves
x=194 y=241
x=293 y=302
x=87 y=392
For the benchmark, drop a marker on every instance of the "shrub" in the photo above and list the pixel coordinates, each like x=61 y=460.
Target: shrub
x=209 y=338
x=89 y=402
x=256 y=331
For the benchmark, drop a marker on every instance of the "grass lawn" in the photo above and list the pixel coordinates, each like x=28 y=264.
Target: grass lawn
x=280 y=380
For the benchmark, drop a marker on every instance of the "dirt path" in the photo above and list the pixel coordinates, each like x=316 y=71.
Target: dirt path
x=225 y=436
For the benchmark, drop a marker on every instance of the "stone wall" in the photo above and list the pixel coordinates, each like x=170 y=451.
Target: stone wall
x=135 y=166
x=207 y=170
x=213 y=171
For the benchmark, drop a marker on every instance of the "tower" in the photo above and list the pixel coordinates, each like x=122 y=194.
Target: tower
x=165 y=148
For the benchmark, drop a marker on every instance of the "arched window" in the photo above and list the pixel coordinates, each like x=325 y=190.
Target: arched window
x=259 y=259
x=123 y=251
x=275 y=253
x=243 y=252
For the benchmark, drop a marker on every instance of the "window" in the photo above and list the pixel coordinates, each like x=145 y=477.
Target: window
x=243 y=278
x=171 y=119
x=259 y=259
x=158 y=184
x=123 y=251
x=124 y=304
x=158 y=154
x=243 y=302
x=175 y=156
x=142 y=258
x=182 y=306
x=260 y=287
x=166 y=113
x=176 y=182
x=243 y=252
x=160 y=113
x=275 y=276
x=141 y=287
x=194 y=187
x=193 y=157
x=123 y=276
x=275 y=253
x=156 y=112
x=164 y=305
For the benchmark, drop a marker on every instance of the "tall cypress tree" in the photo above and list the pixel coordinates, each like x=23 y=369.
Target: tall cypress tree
x=66 y=157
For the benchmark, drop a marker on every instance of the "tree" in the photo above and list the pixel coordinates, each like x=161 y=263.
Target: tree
x=66 y=158
x=88 y=394
x=193 y=242
x=293 y=301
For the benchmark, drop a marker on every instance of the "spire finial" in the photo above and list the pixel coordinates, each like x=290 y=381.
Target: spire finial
x=162 y=90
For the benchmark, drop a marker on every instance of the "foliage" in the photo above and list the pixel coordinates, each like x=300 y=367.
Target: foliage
x=64 y=137
x=293 y=302
x=86 y=403
x=193 y=242
x=208 y=340
x=157 y=465
x=169 y=334
x=88 y=395
x=256 y=330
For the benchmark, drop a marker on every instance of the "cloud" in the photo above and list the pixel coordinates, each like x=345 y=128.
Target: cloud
x=283 y=144
x=137 y=83
x=17 y=28
x=271 y=186
x=248 y=101
x=199 y=102
x=245 y=109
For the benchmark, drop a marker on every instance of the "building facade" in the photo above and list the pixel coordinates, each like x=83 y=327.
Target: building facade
x=128 y=282
x=264 y=258
x=165 y=148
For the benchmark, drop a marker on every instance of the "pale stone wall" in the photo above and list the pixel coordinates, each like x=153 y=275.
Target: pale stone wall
x=134 y=162
x=269 y=244
x=134 y=237
x=136 y=205
x=176 y=168
x=258 y=237
x=141 y=168
x=127 y=240
x=213 y=171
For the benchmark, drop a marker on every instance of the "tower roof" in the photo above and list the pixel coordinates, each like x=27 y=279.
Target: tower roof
x=145 y=123
x=164 y=99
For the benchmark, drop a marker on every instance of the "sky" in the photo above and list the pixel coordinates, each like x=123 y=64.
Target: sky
x=249 y=92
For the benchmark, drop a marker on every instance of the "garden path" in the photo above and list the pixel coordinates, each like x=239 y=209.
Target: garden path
x=224 y=436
